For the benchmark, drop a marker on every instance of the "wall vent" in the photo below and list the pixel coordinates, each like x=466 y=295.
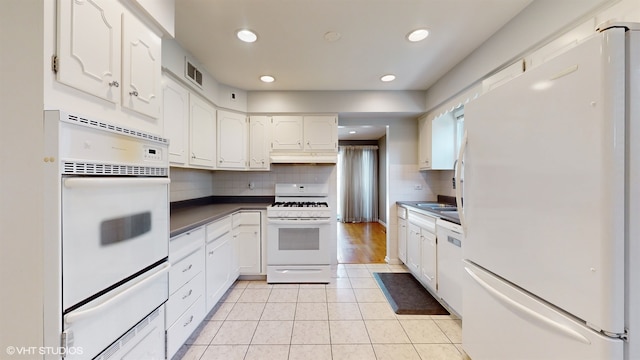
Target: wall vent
x=192 y=73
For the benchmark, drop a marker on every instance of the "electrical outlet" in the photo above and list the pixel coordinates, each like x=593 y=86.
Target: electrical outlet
x=233 y=96
x=417 y=187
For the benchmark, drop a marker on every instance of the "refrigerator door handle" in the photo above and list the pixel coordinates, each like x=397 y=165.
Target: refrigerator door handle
x=457 y=172
x=526 y=312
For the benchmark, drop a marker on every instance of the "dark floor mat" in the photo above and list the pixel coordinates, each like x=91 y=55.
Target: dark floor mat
x=407 y=296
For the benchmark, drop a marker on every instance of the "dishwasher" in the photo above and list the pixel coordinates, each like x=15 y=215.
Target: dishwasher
x=450 y=267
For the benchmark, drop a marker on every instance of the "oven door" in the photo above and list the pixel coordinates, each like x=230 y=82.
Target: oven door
x=298 y=241
x=112 y=229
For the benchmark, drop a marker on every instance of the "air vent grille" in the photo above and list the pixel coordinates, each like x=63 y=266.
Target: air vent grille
x=131 y=334
x=83 y=168
x=114 y=128
x=193 y=73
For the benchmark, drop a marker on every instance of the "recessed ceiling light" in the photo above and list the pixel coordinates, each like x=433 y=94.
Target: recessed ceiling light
x=352 y=132
x=332 y=36
x=388 y=77
x=417 y=35
x=267 y=78
x=247 y=35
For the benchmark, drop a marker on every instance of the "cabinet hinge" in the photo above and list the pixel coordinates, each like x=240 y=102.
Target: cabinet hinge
x=54 y=63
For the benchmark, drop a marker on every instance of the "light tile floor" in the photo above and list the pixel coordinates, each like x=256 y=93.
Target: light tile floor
x=348 y=318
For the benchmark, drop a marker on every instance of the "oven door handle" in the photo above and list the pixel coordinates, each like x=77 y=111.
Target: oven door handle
x=298 y=221
x=95 y=182
x=79 y=315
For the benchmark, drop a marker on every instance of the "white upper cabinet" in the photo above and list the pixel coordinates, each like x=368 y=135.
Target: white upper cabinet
x=89 y=47
x=232 y=140
x=307 y=133
x=259 y=142
x=288 y=132
x=175 y=114
x=107 y=52
x=439 y=140
x=321 y=133
x=202 y=130
x=141 y=67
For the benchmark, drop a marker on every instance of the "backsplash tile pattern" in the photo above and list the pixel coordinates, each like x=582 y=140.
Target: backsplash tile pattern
x=237 y=183
x=191 y=183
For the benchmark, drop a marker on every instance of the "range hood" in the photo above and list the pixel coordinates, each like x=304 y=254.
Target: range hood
x=301 y=158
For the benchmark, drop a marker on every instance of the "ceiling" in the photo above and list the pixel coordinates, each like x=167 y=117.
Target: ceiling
x=291 y=43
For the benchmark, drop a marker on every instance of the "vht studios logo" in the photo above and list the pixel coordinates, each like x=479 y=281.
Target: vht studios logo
x=43 y=350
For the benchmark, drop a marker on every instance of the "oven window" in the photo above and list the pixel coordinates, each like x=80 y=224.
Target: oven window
x=124 y=228
x=299 y=239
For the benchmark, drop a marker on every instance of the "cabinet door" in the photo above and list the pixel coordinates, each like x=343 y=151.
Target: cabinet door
x=259 y=142
x=402 y=240
x=232 y=140
x=428 y=261
x=320 y=133
x=175 y=116
x=443 y=142
x=287 y=133
x=141 y=72
x=424 y=143
x=413 y=249
x=89 y=47
x=247 y=238
x=218 y=268
x=202 y=130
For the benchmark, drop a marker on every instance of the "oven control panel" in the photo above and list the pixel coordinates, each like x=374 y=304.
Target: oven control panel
x=153 y=153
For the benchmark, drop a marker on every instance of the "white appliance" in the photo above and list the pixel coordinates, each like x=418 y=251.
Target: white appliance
x=551 y=208
x=450 y=269
x=111 y=254
x=298 y=234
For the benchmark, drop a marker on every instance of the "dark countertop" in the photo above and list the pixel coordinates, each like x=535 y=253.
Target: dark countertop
x=188 y=215
x=413 y=205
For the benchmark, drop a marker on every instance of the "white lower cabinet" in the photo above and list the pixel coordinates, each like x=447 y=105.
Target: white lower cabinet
x=422 y=249
x=185 y=307
x=219 y=260
x=402 y=233
x=247 y=235
x=184 y=326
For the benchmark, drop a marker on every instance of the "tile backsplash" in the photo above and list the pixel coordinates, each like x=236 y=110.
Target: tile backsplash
x=190 y=184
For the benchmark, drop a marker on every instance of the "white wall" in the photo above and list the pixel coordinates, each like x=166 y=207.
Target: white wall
x=173 y=60
x=21 y=194
x=411 y=102
x=534 y=26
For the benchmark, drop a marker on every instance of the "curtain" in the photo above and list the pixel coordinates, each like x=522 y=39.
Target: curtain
x=358 y=183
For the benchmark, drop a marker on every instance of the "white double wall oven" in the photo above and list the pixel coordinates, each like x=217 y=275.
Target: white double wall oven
x=107 y=249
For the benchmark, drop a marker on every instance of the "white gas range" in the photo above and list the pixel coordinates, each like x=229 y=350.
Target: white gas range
x=298 y=242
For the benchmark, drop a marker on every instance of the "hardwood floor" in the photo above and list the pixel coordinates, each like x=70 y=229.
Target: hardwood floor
x=361 y=243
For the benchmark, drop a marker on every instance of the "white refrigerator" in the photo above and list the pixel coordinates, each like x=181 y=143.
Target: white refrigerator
x=551 y=208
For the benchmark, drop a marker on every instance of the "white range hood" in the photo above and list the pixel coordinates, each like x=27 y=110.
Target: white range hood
x=298 y=158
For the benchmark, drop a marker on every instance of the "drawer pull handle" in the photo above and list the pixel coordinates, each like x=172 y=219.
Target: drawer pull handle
x=188 y=294
x=188 y=322
x=187 y=268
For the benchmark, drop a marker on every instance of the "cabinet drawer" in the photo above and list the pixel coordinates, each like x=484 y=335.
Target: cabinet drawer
x=184 y=297
x=184 y=244
x=186 y=269
x=401 y=212
x=246 y=218
x=424 y=221
x=180 y=330
x=218 y=228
